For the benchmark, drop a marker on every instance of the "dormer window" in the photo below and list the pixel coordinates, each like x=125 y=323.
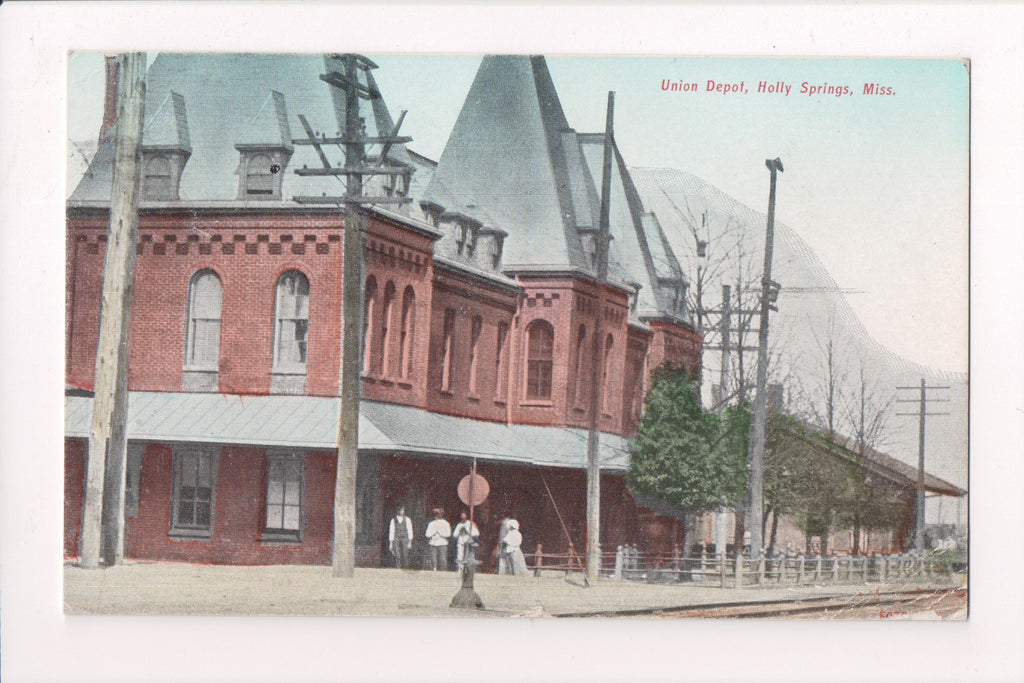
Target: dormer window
x=259 y=177
x=497 y=242
x=264 y=151
x=165 y=150
x=158 y=182
x=260 y=173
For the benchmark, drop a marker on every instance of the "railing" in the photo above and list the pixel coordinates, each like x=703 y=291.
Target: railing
x=629 y=563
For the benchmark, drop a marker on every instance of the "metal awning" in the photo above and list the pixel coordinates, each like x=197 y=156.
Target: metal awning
x=312 y=422
x=283 y=421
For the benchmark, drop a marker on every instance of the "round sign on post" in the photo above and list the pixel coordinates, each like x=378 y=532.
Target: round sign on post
x=473 y=489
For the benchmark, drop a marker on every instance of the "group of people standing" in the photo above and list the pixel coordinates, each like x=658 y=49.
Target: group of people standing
x=466 y=534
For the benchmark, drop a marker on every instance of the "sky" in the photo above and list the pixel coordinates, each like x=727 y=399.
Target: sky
x=876 y=185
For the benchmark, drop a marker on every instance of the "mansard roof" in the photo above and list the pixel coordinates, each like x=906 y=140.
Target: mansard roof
x=270 y=127
x=638 y=244
x=168 y=125
x=236 y=99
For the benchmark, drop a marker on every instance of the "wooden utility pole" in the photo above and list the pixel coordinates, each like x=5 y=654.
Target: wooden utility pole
x=757 y=426
x=103 y=514
x=726 y=320
x=596 y=380
x=921 y=414
x=343 y=557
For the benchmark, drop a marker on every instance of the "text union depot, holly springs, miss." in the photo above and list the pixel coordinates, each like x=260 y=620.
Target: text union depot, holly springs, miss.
x=773 y=88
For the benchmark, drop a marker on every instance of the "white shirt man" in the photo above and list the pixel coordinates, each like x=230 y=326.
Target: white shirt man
x=438 y=532
x=464 y=532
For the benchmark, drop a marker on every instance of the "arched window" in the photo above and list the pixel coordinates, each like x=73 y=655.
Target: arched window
x=606 y=401
x=408 y=325
x=632 y=389
x=474 y=353
x=291 y=327
x=500 y=362
x=203 y=334
x=448 y=349
x=581 y=369
x=369 y=310
x=259 y=179
x=539 y=350
x=384 y=353
x=157 y=182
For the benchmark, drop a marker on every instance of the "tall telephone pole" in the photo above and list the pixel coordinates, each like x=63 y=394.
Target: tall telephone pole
x=593 y=438
x=355 y=168
x=921 y=414
x=757 y=425
x=103 y=512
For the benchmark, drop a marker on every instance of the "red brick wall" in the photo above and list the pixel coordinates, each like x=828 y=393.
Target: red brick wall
x=74 y=494
x=171 y=249
x=468 y=299
x=402 y=259
x=635 y=384
x=674 y=344
x=566 y=303
x=238 y=512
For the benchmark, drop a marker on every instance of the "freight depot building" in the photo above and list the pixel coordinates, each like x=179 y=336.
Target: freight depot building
x=480 y=307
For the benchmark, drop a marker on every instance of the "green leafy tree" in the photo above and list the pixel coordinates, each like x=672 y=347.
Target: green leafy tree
x=682 y=455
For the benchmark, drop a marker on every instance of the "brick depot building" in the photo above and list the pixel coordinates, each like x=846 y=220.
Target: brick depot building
x=480 y=307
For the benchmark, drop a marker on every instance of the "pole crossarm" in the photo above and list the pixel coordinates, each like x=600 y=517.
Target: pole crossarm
x=313 y=141
x=339 y=81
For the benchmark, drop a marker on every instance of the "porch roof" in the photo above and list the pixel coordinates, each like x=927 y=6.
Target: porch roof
x=312 y=422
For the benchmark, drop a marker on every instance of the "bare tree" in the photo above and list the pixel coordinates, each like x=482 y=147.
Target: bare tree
x=866 y=414
x=820 y=395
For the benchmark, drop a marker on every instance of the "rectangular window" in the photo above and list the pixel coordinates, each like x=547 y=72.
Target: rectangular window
x=194 y=476
x=540 y=349
x=283 y=519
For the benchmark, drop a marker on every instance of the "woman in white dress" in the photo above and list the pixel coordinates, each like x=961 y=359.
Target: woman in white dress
x=513 y=549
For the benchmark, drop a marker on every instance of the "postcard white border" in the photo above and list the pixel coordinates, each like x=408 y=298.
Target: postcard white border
x=39 y=643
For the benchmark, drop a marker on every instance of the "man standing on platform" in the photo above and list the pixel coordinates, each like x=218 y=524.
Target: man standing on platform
x=438 y=533
x=400 y=538
x=466 y=534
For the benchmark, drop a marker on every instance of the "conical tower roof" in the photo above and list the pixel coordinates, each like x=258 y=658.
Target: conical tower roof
x=503 y=164
x=512 y=161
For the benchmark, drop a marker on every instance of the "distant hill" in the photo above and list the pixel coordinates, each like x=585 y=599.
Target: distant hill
x=810 y=304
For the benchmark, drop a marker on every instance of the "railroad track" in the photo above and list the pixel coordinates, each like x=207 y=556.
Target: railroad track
x=800 y=607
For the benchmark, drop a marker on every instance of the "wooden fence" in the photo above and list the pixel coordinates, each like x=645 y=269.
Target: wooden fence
x=628 y=563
